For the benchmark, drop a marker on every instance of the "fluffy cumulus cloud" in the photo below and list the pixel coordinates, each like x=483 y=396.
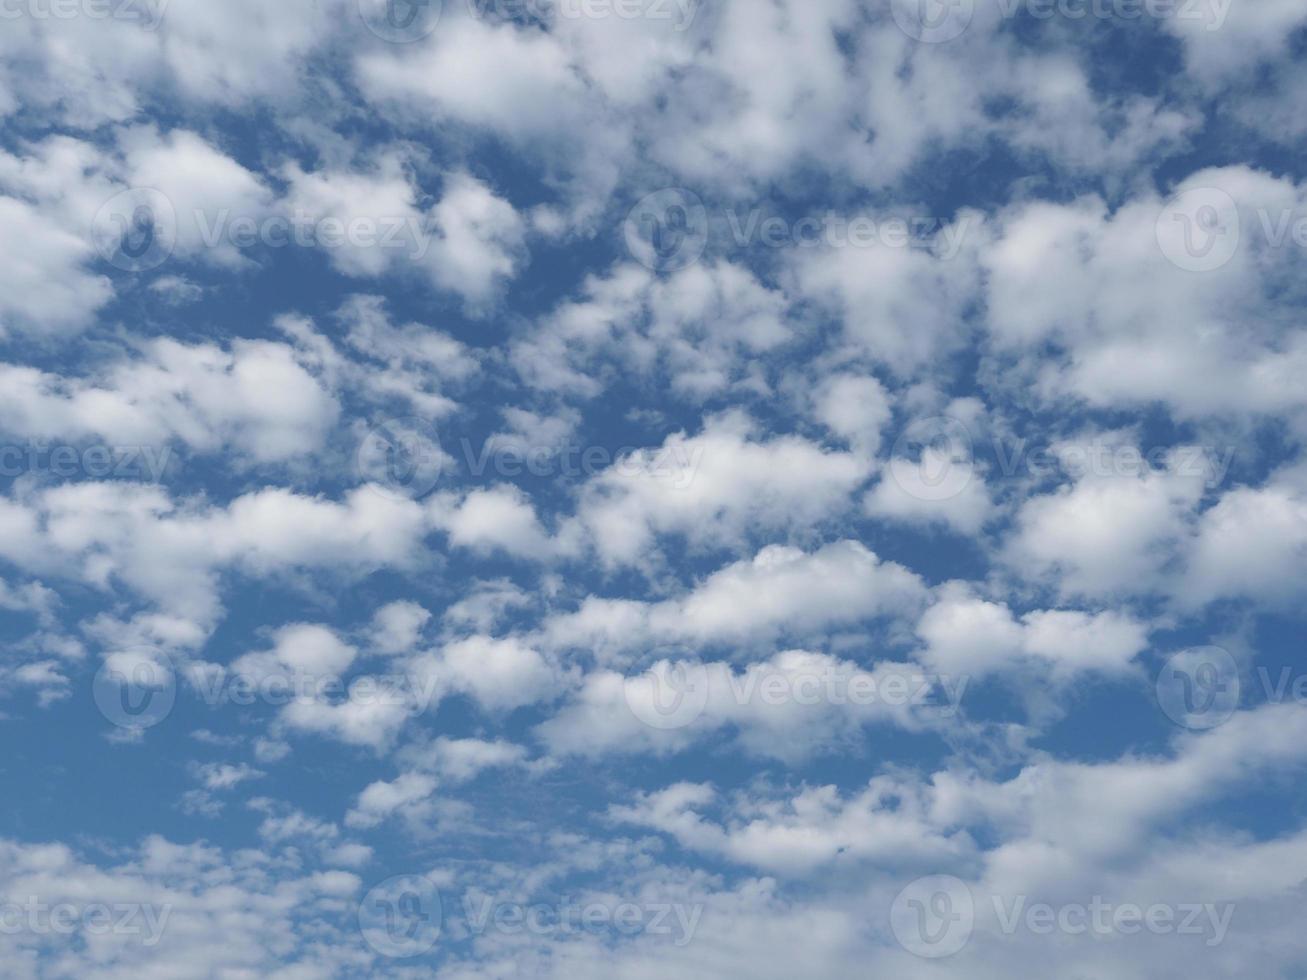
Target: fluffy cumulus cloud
x=716 y=487
x=255 y=399
x=1118 y=291
x=638 y=488
x=779 y=591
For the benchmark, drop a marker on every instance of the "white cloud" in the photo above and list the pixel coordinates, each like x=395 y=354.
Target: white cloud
x=856 y=409
x=381 y=799
x=471 y=242
x=714 y=488
x=780 y=591
x=500 y=675
x=169 y=553
x=1251 y=544
x=205 y=187
x=1106 y=535
x=499 y=519
x=966 y=634
x=397 y=627
x=256 y=398
x=458 y=760
x=37 y=252
x=1138 y=327
x=242 y=50
x=801 y=835
x=877 y=291
x=791 y=707
x=709 y=324
x=479 y=241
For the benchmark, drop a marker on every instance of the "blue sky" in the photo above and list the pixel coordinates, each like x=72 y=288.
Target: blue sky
x=629 y=488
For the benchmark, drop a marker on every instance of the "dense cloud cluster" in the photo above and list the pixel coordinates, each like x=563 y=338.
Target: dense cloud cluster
x=642 y=488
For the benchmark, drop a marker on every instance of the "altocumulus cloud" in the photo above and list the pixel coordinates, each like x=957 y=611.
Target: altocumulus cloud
x=624 y=488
